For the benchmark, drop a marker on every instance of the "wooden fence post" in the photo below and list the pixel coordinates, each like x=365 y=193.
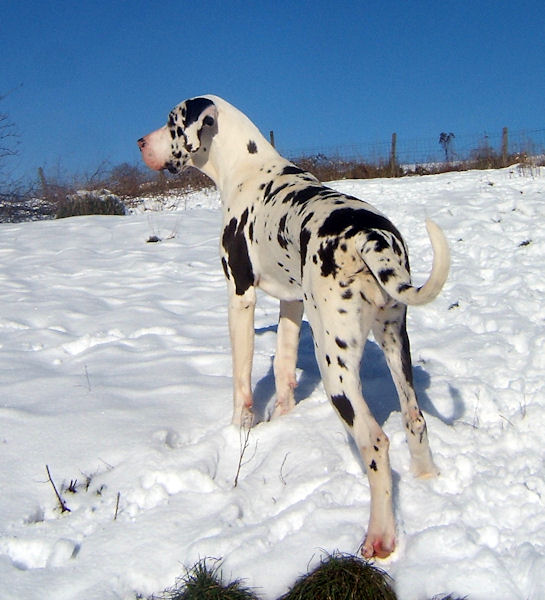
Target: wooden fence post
x=504 y=146
x=271 y=136
x=393 y=157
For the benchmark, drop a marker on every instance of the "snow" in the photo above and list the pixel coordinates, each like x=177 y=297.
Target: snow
x=115 y=369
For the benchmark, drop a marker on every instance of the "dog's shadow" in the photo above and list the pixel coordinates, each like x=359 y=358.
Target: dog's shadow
x=378 y=388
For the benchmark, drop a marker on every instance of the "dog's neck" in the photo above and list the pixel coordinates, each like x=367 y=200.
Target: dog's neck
x=247 y=150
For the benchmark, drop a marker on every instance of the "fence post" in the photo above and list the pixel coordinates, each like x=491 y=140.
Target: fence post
x=271 y=136
x=393 y=157
x=504 y=146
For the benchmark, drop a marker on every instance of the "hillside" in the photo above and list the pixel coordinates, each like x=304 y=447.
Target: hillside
x=115 y=365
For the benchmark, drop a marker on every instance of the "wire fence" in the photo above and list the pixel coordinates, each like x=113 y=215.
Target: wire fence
x=422 y=151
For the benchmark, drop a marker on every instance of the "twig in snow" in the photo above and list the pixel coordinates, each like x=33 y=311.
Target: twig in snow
x=243 y=447
x=62 y=504
x=282 y=468
x=117 y=505
x=506 y=419
x=244 y=443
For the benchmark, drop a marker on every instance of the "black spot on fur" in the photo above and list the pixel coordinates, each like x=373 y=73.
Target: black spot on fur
x=373 y=465
x=194 y=108
x=252 y=147
x=381 y=243
x=341 y=363
x=281 y=236
x=304 y=238
x=270 y=196
x=406 y=353
x=341 y=343
x=344 y=407
x=353 y=220
x=326 y=252
x=306 y=219
x=267 y=191
x=347 y=294
x=224 y=265
x=364 y=298
x=234 y=243
x=291 y=170
x=327 y=359
x=396 y=248
x=302 y=196
x=385 y=275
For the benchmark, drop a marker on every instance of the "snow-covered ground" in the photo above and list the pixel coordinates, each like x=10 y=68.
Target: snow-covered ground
x=115 y=372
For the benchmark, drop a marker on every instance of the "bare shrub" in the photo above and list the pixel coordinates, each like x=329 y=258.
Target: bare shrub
x=126 y=180
x=484 y=156
x=333 y=168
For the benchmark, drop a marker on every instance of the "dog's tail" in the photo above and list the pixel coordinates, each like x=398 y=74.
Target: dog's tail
x=398 y=284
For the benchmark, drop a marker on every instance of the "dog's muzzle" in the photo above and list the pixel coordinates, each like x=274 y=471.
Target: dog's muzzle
x=153 y=150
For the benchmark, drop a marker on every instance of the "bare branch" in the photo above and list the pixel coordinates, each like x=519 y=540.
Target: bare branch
x=282 y=469
x=117 y=505
x=62 y=504
x=244 y=443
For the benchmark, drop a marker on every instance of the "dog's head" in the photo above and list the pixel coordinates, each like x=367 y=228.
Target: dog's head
x=184 y=140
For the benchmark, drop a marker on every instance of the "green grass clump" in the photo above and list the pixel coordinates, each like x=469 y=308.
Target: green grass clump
x=202 y=582
x=343 y=577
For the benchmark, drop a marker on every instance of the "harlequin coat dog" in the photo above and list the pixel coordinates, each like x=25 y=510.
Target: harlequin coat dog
x=331 y=255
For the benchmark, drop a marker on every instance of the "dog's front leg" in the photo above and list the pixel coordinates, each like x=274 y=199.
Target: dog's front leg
x=241 y=329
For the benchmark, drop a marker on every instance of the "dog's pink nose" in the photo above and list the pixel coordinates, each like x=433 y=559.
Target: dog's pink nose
x=151 y=147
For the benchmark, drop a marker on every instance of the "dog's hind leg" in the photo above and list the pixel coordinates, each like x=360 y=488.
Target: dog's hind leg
x=340 y=324
x=289 y=327
x=390 y=332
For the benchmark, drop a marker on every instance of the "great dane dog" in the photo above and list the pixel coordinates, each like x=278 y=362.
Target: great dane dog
x=331 y=255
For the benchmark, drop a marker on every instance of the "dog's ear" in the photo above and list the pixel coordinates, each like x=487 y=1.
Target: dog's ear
x=199 y=113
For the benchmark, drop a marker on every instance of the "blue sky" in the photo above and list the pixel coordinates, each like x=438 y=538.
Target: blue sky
x=86 y=79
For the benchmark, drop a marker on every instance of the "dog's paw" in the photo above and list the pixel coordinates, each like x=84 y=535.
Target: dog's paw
x=244 y=419
x=424 y=469
x=377 y=546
